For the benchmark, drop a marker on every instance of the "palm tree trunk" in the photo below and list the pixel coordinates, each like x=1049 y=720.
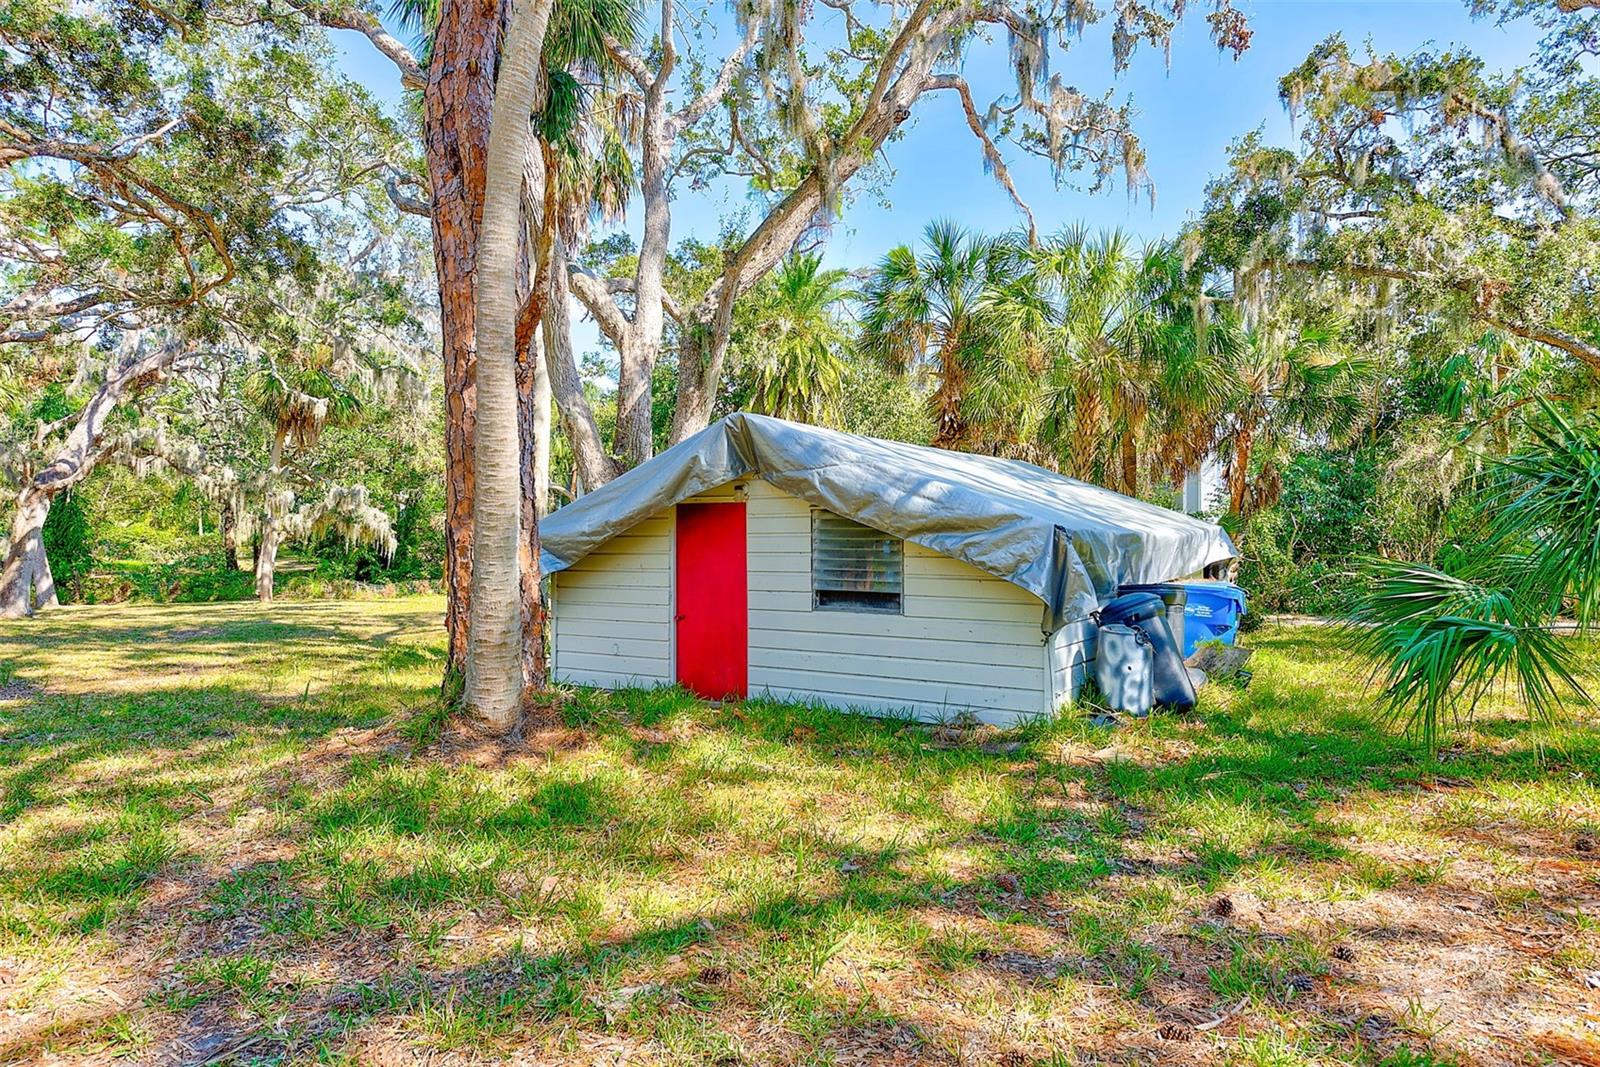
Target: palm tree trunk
x=1084 y=442
x=1239 y=468
x=950 y=428
x=494 y=682
x=1130 y=463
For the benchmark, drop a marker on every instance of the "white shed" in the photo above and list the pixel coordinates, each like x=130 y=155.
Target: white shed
x=764 y=557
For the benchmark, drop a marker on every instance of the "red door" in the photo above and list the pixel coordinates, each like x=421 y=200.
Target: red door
x=713 y=638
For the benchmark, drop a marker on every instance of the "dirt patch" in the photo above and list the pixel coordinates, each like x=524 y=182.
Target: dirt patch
x=888 y=1043
x=464 y=743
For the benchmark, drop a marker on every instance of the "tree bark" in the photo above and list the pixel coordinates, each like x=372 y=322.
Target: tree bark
x=920 y=42
x=1130 y=462
x=641 y=343
x=26 y=582
x=457 y=107
x=533 y=412
x=495 y=684
x=228 y=523
x=271 y=524
x=267 y=559
x=1239 y=468
x=533 y=396
x=595 y=467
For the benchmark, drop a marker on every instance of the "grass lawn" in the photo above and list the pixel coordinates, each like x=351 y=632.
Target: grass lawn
x=226 y=835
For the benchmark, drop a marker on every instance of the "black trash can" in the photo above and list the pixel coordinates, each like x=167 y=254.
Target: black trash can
x=1147 y=612
x=1175 y=596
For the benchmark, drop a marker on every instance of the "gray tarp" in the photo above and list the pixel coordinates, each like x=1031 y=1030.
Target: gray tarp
x=1067 y=542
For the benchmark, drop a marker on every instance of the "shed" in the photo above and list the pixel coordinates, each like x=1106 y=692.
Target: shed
x=763 y=557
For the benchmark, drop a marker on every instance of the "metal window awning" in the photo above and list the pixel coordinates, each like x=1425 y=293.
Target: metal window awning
x=1067 y=542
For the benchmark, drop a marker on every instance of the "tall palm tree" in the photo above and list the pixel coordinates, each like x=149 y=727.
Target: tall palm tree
x=494 y=677
x=1099 y=379
x=797 y=341
x=1293 y=382
x=924 y=310
x=1192 y=353
x=1081 y=326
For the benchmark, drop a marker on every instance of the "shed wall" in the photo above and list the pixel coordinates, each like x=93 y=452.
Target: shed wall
x=613 y=609
x=967 y=642
x=1071 y=660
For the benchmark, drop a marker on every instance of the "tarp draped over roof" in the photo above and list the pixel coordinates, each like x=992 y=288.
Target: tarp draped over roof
x=1067 y=542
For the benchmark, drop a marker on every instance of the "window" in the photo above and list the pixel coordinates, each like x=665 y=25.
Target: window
x=854 y=567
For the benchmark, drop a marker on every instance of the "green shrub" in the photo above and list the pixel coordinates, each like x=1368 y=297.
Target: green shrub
x=68 y=545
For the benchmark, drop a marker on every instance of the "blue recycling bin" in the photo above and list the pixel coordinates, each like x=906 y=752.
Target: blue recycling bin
x=1211 y=613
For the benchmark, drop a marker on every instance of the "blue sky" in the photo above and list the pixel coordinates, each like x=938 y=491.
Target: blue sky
x=1188 y=113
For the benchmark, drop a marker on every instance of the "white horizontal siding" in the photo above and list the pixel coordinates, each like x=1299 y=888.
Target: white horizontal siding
x=1071 y=659
x=613 y=611
x=965 y=643
x=910 y=627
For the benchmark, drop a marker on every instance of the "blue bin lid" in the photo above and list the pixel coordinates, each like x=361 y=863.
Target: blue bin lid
x=1219 y=589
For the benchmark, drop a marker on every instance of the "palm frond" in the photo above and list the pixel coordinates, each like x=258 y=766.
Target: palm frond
x=1438 y=642
x=1546 y=510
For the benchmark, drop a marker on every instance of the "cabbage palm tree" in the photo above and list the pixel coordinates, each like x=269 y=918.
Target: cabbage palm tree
x=1109 y=349
x=494 y=677
x=1089 y=327
x=1191 y=349
x=1292 y=382
x=797 y=342
x=924 y=309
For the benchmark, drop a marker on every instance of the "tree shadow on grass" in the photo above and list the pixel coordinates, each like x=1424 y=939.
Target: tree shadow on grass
x=332 y=934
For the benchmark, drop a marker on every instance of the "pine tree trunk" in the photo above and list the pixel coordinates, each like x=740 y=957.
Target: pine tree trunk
x=457 y=107
x=25 y=580
x=494 y=682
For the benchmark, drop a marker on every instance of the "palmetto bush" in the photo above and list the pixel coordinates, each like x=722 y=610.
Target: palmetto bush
x=1441 y=637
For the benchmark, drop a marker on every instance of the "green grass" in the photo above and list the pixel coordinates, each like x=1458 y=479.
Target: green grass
x=237 y=828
